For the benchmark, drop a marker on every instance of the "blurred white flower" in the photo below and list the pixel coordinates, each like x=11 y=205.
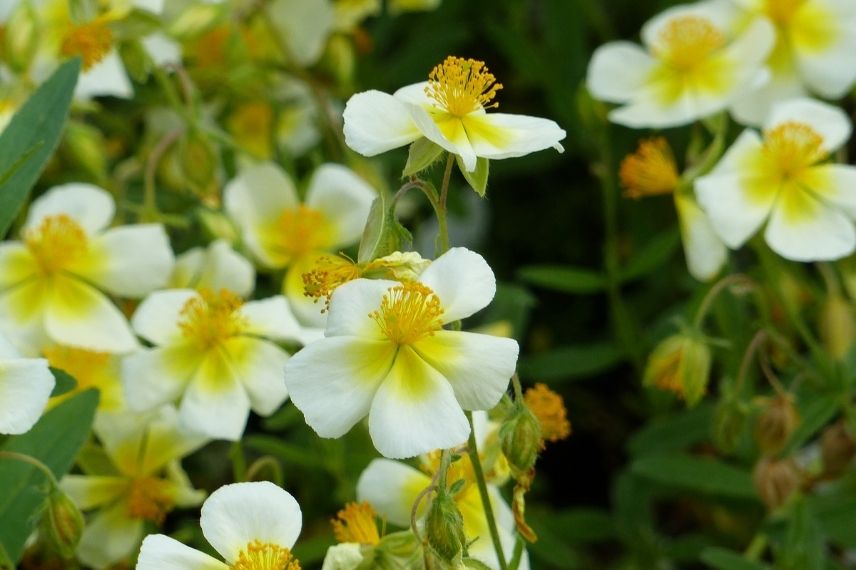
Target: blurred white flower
x=25 y=386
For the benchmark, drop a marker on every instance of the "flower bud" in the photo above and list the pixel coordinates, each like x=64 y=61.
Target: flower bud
x=444 y=527
x=837 y=326
x=198 y=159
x=345 y=556
x=21 y=37
x=217 y=225
x=85 y=145
x=729 y=419
x=776 y=480
x=776 y=424
x=195 y=20
x=520 y=438
x=837 y=449
x=680 y=364
x=62 y=523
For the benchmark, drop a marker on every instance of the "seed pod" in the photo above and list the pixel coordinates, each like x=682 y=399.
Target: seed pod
x=837 y=449
x=776 y=480
x=776 y=424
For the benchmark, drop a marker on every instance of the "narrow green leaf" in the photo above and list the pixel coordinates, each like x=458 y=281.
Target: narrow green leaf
x=724 y=559
x=695 y=474
x=652 y=255
x=836 y=513
x=477 y=179
x=815 y=413
x=421 y=154
x=64 y=382
x=289 y=453
x=571 y=362
x=37 y=128
x=564 y=278
x=673 y=433
x=804 y=547
x=54 y=441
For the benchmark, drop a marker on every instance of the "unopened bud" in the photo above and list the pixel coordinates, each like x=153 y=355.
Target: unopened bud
x=85 y=145
x=21 y=37
x=198 y=159
x=776 y=480
x=444 y=527
x=520 y=438
x=62 y=523
x=680 y=364
x=837 y=326
x=837 y=449
x=195 y=20
x=217 y=225
x=776 y=424
x=729 y=419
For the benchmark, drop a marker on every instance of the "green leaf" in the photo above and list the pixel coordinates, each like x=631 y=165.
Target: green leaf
x=290 y=453
x=383 y=233
x=654 y=254
x=673 y=433
x=36 y=127
x=564 y=278
x=836 y=513
x=477 y=179
x=724 y=559
x=64 y=382
x=571 y=362
x=54 y=441
x=422 y=154
x=695 y=474
x=804 y=546
x=815 y=413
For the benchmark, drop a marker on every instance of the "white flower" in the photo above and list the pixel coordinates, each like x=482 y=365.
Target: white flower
x=25 y=386
x=281 y=231
x=703 y=249
x=387 y=356
x=51 y=282
x=251 y=525
x=815 y=43
x=146 y=482
x=782 y=177
x=690 y=68
x=345 y=556
x=215 y=353
x=450 y=110
x=215 y=267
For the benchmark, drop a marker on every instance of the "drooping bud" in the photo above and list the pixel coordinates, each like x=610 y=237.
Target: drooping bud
x=776 y=424
x=444 y=527
x=729 y=419
x=776 y=480
x=837 y=449
x=198 y=159
x=680 y=364
x=62 y=523
x=650 y=171
x=521 y=439
x=837 y=326
x=21 y=37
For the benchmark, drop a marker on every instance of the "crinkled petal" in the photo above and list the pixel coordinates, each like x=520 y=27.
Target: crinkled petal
x=161 y=552
x=25 y=386
x=500 y=135
x=617 y=70
x=261 y=367
x=828 y=121
x=157 y=318
x=351 y=306
x=376 y=122
x=345 y=200
x=391 y=487
x=802 y=228
x=215 y=402
x=462 y=280
x=88 y=205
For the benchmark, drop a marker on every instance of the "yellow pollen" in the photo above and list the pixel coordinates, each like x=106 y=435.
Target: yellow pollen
x=265 y=556
x=56 y=243
x=408 y=312
x=91 y=41
x=212 y=318
x=782 y=11
x=550 y=411
x=793 y=147
x=149 y=499
x=356 y=523
x=689 y=40
x=650 y=171
x=459 y=470
x=89 y=369
x=461 y=86
x=329 y=273
x=303 y=230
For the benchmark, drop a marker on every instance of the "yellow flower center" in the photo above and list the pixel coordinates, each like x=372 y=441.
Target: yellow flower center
x=782 y=11
x=792 y=148
x=356 y=523
x=149 y=499
x=651 y=170
x=212 y=318
x=461 y=86
x=91 y=41
x=459 y=470
x=303 y=230
x=408 y=312
x=549 y=408
x=687 y=41
x=56 y=243
x=90 y=370
x=265 y=556
x=329 y=273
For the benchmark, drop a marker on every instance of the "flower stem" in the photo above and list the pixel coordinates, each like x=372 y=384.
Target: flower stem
x=485 y=498
x=442 y=244
x=150 y=211
x=714 y=292
x=34 y=462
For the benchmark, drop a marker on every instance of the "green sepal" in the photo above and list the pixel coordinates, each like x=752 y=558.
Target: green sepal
x=477 y=179
x=422 y=154
x=383 y=233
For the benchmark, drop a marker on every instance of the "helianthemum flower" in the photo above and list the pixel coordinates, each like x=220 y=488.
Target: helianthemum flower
x=815 y=42
x=90 y=369
x=51 y=281
x=782 y=176
x=691 y=67
x=450 y=110
x=283 y=232
x=386 y=354
x=25 y=385
x=215 y=353
x=145 y=482
x=253 y=526
x=215 y=267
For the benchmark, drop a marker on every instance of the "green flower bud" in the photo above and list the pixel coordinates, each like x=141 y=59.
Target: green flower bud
x=521 y=439
x=444 y=527
x=21 y=38
x=837 y=326
x=198 y=159
x=62 y=523
x=680 y=364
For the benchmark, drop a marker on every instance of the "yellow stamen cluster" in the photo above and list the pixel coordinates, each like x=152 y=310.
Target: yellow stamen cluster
x=550 y=411
x=56 y=243
x=91 y=41
x=329 y=273
x=357 y=522
x=212 y=318
x=149 y=499
x=408 y=312
x=302 y=230
x=650 y=171
x=688 y=40
x=265 y=556
x=793 y=147
x=782 y=11
x=461 y=86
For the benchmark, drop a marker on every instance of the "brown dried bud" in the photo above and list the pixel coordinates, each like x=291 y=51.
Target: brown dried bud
x=776 y=480
x=837 y=449
x=776 y=424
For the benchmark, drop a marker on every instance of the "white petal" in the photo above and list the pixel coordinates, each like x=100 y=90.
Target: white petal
x=376 y=122
x=7 y=349
x=819 y=233
x=153 y=6
x=167 y=441
x=445 y=130
x=129 y=261
x=89 y=492
x=271 y=318
x=88 y=205
x=351 y=305
x=333 y=380
x=828 y=121
x=238 y=514
x=391 y=488
x=215 y=402
x=753 y=107
x=478 y=366
x=109 y=537
x=157 y=376
x=161 y=552
x=261 y=366
x=415 y=94
x=224 y=268
x=345 y=200
x=500 y=135
x=309 y=311
x=414 y=410
x=80 y=316
x=720 y=13
x=344 y=556
x=841 y=186
x=157 y=317
x=25 y=385
x=462 y=280
x=107 y=77
x=305 y=42
x=617 y=70
x=187 y=269
x=831 y=70
x=22 y=311
x=16 y=264
x=162 y=49
x=705 y=252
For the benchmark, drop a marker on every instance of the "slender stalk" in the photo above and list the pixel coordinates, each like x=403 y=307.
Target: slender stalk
x=442 y=245
x=150 y=207
x=756 y=548
x=32 y=461
x=517 y=556
x=714 y=293
x=473 y=449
